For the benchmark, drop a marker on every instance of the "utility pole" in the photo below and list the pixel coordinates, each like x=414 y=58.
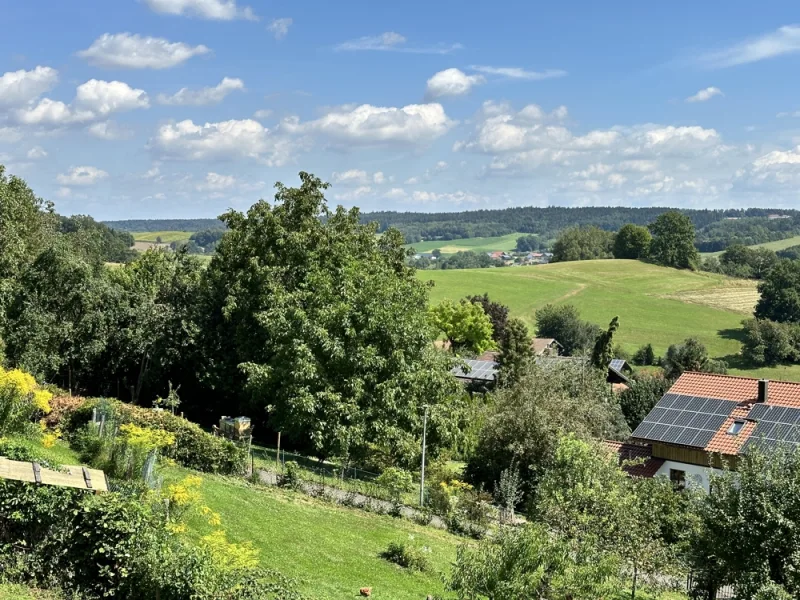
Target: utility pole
x=422 y=477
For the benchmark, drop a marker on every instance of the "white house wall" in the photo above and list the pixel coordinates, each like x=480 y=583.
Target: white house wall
x=695 y=475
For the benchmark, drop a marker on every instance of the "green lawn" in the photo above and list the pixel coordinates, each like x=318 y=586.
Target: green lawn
x=477 y=244
x=21 y=592
x=656 y=305
x=780 y=244
x=333 y=550
x=166 y=236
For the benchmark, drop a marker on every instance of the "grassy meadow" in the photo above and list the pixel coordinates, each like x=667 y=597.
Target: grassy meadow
x=166 y=236
x=655 y=304
x=476 y=244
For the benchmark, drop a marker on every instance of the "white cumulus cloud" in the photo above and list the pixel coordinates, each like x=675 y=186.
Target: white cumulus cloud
x=133 y=51
x=204 y=96
x=451 y=82
x=367 y=124
x=217 y=10
x=81 y=176
x=36 y=153
x=232 y=139
x=215 y=182
x=106 y=97
x=705 y=95
x=280 y=27
x=19 y=87
x=351 y=176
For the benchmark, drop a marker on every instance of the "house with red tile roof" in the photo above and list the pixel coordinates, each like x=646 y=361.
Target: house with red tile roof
x=706 y=421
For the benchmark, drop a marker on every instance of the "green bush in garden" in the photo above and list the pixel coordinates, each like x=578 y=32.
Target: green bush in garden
x=194 y=448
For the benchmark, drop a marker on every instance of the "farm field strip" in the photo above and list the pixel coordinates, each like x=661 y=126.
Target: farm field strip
x=476 y=244
x=166 y=236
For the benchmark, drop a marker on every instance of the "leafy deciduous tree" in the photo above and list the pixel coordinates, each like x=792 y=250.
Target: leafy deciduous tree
x=603 y=351
x=673 y=241
x=691 y=355
x=464 y=324
x=583 y=243
x=563 y=323
x=780 y=293
x=632 y=241
x=498 y=315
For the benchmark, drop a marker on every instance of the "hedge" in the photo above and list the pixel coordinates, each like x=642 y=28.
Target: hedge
x=194 y=448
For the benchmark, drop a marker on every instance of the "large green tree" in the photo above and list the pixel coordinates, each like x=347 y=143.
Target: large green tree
x=326 y=328
x=516 y=351
x=673 y=241
x=527 y=419
x=780 y=293
x=26 y=227
x=465 y=325
x=690 y=355
x=749 y=525
x=61 y=317
x=583 y=243
x=563 y=323
x=632 y=241
x=497 y=313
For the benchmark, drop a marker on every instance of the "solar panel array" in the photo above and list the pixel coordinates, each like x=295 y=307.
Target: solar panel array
x=477 y=370
x=777 y=425
x=617 y=364
x=685 y=420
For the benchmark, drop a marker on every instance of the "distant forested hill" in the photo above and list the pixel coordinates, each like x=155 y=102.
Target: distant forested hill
x=145 y=225
x=547 y=222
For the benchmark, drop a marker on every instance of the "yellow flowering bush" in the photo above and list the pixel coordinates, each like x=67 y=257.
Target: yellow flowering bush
x=144 y=438
x=229 y=556
x=21 y=401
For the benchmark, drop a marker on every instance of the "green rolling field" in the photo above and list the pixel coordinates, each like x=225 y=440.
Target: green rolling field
x=655 y=305
x=477 y=244
x=166 y=236
x=780 y=244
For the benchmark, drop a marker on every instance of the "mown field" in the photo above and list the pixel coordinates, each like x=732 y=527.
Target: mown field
x=166 y=236
x=477 y=244
x=655 y=305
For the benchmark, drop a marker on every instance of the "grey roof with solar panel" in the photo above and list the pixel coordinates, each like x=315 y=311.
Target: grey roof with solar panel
x=618 y=364
x=685 y=420
x=476 y=370
x=777 y=426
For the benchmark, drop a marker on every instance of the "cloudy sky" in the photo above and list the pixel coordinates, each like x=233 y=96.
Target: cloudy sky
x=183 y=108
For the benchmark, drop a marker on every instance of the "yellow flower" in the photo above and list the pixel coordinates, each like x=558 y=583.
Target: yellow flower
x=176 y=528
x=22 y=382
x=213 y=518
x=186 y=492
x=229 y=556
x=41 y=400
x=145 y=438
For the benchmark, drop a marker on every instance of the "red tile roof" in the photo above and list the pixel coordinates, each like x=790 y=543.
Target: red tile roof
x=744 y=391
x=631 y=452
x=727 y=387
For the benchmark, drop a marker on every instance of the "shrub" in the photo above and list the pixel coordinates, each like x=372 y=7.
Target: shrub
x=22 y=400
x=110 y=545
x=291 y=478
x=194 y=448
x=407 y=556
x=396 y=481
x=645 y=356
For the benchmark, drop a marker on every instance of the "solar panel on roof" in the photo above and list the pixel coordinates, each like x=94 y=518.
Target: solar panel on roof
x=776 y=426
x=477 y=370
x=685 y=420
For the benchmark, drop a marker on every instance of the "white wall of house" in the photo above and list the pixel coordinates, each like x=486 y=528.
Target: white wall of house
x=695 y=474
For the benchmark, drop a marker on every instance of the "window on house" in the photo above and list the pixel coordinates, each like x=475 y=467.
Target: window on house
x=678 y=478
x=735 y=427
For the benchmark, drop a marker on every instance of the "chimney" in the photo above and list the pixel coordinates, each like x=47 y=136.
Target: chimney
x=763 y=390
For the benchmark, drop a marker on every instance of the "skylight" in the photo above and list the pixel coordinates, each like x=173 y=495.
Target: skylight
x=735 y=427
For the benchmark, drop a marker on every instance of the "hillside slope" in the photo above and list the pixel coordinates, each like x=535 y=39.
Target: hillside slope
x=655 y=305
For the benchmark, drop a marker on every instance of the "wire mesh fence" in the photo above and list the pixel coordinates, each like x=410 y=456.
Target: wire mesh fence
x=347 y=478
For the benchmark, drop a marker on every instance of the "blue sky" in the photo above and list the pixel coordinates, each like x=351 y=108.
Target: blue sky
x=184 y=108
